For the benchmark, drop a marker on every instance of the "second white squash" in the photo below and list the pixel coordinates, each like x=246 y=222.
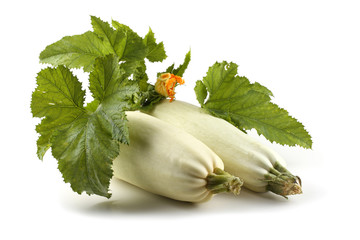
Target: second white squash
x=261 y=168
x=168 y=161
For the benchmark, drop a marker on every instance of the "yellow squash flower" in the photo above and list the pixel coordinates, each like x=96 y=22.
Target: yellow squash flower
x=166 y=83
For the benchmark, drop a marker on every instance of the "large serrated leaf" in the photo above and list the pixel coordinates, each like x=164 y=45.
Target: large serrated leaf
x=58 y=99
x=76 y=51
x=84 y=152
x=248 y=106
x=84 y=140
x=80 y=51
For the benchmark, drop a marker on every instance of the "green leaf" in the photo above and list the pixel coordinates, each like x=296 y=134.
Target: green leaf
x=248 y=106
x=125 y=99
x=156 y=51
x=138 y=71
x=106 y=78
x=170 y=69
x=57 y=90
x=43 y=144
x=84 y=140
x=92 y=106
x=104 y=31
x=51 y=124
x=131 y=47
x=181 y=69
x=84 y=152
x=201 y=92
x=140 y=76
x=259 y=88
x=58 y=99
x=111 y=88
x=81 y=50
x=76 y=51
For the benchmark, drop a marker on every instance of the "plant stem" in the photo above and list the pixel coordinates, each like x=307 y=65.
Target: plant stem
x=282 y=182
x=221 y=181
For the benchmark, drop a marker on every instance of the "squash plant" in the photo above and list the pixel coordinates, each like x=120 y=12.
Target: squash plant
x=93 y=141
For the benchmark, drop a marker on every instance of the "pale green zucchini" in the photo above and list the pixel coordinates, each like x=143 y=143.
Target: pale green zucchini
x=168 y=161
x=261 y=168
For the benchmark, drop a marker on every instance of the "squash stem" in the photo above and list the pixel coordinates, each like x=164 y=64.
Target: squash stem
x=221 y=181
x=282 y=182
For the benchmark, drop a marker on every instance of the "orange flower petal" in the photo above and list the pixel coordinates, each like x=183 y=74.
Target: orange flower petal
x=165 y=76
x=166 y=83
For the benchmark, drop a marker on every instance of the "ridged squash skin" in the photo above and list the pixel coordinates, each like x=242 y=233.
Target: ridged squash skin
x=243 y=156
x=165 y=160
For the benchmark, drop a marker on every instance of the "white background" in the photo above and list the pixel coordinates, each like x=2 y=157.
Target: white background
x=306 y=52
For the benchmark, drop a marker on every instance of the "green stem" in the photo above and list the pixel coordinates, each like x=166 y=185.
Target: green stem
x=282 y=182
x=221 y=181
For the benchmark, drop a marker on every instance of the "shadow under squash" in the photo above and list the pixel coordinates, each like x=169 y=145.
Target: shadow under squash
x=127 y=198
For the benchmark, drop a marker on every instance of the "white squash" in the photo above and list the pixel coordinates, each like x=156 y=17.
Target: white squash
x=258 y=166
x=166 y=160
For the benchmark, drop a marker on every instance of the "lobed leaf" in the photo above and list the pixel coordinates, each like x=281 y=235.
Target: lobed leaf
x=86 y=148
x=248 y=106
x=84 y=140
x=106 y=78
x=156 y=51
x=76 y=51
x=201 y=92
x=80 y=51
x=84 y=152
x=58 y=99
x=131 y=47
